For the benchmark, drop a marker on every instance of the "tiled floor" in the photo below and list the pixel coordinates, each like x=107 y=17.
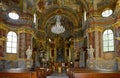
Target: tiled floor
x=58 y=75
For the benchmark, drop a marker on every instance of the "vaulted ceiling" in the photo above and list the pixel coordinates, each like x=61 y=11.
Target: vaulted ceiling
x=71 y=12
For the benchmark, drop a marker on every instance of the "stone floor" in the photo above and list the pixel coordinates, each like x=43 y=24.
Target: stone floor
x=58 y=75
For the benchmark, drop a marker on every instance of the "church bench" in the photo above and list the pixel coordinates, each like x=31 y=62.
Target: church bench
x=49 y=71
x=18 y=73
x=43 y=72
x=70 y=71
x=96 y=75
x=87 y=73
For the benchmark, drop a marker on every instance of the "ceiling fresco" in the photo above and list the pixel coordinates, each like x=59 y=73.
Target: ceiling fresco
x=72 y=12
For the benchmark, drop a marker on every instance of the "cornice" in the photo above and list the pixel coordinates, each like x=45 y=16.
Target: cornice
x=96 y=28
x=3 y=26
x=3 y=39
x=117 y=38
x=77 y=29
x=26 y=30
x=79 y=39
x=43 y=31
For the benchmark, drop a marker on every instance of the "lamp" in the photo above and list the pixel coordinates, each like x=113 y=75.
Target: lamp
x=58 y=28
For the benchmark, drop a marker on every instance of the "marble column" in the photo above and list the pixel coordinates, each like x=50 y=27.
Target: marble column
x=94 y=38
x=3 y=32
x=116 y=28
x=24 y=40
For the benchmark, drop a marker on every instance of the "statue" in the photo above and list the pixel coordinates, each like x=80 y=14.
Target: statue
x=29 y=52
x=90 y=52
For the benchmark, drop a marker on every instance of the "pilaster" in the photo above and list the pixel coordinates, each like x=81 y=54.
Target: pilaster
x=116 y=28
x=3 y=32
x=24 y=40
x=94 y=37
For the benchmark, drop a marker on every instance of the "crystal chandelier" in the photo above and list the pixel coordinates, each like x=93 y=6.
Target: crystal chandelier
x=58 y=28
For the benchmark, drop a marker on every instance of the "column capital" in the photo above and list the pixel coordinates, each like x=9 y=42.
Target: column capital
x=28 y=31
x=96 y=28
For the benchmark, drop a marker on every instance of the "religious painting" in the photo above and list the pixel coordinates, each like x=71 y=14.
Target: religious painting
x=60 y=54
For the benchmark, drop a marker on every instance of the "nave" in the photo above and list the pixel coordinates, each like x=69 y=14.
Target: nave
x=58 y=75
x=41 y=37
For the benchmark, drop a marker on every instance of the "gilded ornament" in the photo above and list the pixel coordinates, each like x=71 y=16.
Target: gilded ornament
x=24 y=30
x=117 y=38
x=29 y=31
x=79 y=39
x=3 y=26
x=116 y=25
x=69 y=14
x=3 y=39
x=96 y=28
x=77 y=29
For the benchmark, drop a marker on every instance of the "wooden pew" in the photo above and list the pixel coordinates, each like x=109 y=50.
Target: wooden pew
x=43 y=72
x=49 y=71
x=87 y=73
x=70 y=71
x=97 y=75
x=18 y=73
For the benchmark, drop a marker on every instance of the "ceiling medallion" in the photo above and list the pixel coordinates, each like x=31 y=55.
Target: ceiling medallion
x=58 y=28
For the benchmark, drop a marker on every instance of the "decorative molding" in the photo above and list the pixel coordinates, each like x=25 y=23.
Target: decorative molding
x=79 y=39
x=116 y=25
x=43 y=31
x=61 y=11
x=77 y=29
x=29 y=31
x=118 y=4
x=9 y=56
x=25 y=30
x=117 y=38
x=96 y=28
x=3 y=26
x=2 y=58
x=3 y=39
x=27 y=17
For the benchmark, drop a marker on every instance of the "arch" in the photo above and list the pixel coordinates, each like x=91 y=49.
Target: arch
x=62 y=11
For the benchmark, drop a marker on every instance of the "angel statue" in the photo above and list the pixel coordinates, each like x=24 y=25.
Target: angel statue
x=29 y=52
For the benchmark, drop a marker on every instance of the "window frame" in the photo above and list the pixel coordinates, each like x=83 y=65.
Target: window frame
x=107 y=41
x=11 y=39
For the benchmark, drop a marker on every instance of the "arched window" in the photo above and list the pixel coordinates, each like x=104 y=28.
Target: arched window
x=108 y=41
x=11 y=42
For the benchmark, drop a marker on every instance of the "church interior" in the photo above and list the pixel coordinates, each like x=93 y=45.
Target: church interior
x=42 y=37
